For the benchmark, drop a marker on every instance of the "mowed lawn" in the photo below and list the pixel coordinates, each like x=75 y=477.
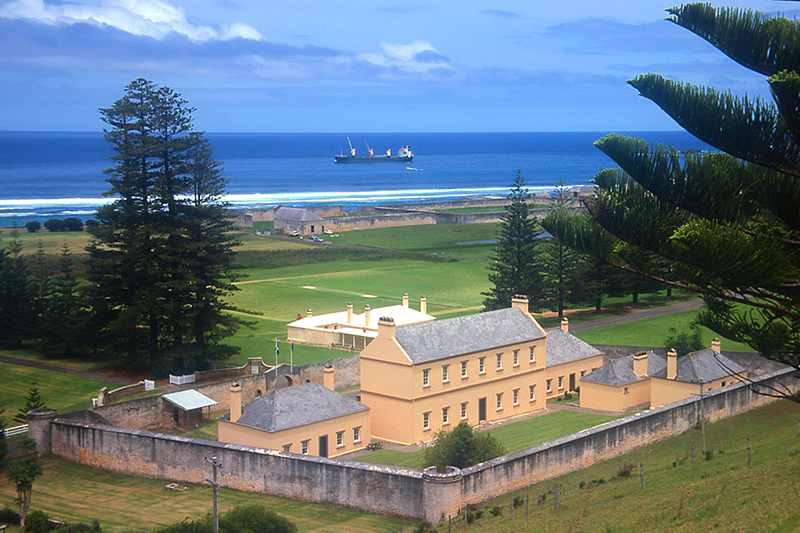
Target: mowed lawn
x=654 y=332
x=515 y=436
x=72 y=492
x=447 y=240
x=64 y=392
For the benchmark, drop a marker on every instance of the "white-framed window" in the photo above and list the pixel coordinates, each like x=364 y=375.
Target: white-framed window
x=445 y=415
x=516 y=357
x=287 y=447
x=482 y=365
x=499 y=401
x=560 y=382
x=549 y=385
x=426 y=377
x=499 y=361
x=533 y=354
x=445 y=373
x=463 y=369
x=516 y=396
x=426 y=420
x=531 y=393
x=339 y=438
x=357 y=434
x=464 y=411
x=304 y=447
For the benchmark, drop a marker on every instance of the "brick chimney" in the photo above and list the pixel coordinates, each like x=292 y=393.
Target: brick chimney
x=715 y=345
x=386 y=327
x=367 y=314
x=672 y=363
x=640 y=364
x=423 y=305
x=236 y=402
x=520 y=301
x=565 y=325
x=327 y=376
x=405 y=300
x=349 y=313
x=309 y=314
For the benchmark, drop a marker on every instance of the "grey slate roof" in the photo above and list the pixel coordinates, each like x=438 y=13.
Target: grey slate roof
x=295 y=214
x=705 y=365
x=563 y=347
x=440 y=339
x=296 y=406
x=619 y=372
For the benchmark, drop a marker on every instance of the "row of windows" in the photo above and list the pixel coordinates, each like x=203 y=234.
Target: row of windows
x=426 y=416
x=426 y=373
x=339 y=441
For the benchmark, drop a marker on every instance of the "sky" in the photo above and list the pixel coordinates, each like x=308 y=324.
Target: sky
x=353 y=66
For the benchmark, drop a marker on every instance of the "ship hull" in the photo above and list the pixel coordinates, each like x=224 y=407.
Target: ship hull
x=377 y=159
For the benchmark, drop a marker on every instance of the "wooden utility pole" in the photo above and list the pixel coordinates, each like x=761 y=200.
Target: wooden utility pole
x=215 y=486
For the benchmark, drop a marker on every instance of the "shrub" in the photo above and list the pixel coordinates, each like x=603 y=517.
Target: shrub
x=625 y=470
x=55 y=224
x=9 y=516
x=92 y=223
x=32 y=226
x=496 y=510
x=461 y=448
x=36 y=522
x=519 y=501
x=73 y=224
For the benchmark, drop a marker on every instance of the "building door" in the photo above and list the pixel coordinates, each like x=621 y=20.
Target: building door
x=571 y=382
x=312 y=228
x=323 y=446
x=481 y=409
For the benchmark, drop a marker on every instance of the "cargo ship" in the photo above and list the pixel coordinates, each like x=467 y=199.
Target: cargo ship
x=404 y=155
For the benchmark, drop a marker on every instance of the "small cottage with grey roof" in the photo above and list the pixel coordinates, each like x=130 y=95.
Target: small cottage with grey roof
x=421 y=378
x=306 y=419
x=647 y=379
x=291 y=219
x=683 y=377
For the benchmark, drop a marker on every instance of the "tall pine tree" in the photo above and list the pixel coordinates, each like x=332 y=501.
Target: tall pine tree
x=512 y=267
x=161 y=246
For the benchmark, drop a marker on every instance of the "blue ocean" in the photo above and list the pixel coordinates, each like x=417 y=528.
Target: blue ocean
x=55 y=175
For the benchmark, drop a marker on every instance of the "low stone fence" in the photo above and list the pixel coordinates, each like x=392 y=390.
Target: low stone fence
x=105 y=396
x=375 y=488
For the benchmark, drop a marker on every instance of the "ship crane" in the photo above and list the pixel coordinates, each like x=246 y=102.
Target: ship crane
x=368 y=148
x=352 y=150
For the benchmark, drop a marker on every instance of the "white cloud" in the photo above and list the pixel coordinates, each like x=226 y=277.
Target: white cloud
x=417 y=57
x=148 y=18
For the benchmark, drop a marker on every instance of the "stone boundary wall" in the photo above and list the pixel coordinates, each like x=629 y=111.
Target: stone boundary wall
x=375 y=488
x=105 y=396
x=611 y=439
x=372 y=488
x=352 y=223
x=486 y=201
x=267 y=214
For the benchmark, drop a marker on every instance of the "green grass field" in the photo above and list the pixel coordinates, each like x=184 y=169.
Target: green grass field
x=722 y=494
x=73 y=492
x=515 y=436
x=654 y=332
x=64 y=392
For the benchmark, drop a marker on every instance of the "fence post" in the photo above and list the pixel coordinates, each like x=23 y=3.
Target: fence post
x=692 y=451
x=555 y=497
x=641 y=473
x=512 y=508
x=749 y=453
x=526 y=504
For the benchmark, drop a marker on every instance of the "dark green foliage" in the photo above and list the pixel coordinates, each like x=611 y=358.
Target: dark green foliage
x=36 y=522
x=18 y=312
x=512 y=267
x=161 y=258
x=73 y=224
x=496 y=510
x=725 y=224
x=33 y=400
x=625 y=470
x=9 y=516
x=461 y=448
x=683 y=342
x=241 y=519
x=32 y=226
x=54 y=225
